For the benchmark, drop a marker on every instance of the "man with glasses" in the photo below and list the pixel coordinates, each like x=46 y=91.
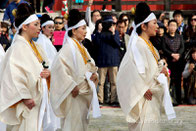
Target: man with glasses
x=58 y=31
x=59 y=24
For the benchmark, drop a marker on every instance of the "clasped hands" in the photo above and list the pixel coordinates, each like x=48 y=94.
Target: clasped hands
x=30 y=102
x=94 y=78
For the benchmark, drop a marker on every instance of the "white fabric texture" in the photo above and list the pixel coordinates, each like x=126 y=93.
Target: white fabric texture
x=2 y=54
x=169 y=110
x=132 y=41
x=44 y=107
x=94 y=102
x=49 y=22
x=48 y=47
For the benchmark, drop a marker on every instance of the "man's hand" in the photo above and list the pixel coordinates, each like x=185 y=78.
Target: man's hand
x=176 y=56
x=29 y=103
x=191 y=67
x=148 y=95
x=45 y=73
x=75 y=91
x=112 y=29
x=90 y=2
x=164 y=71
x=94 y=78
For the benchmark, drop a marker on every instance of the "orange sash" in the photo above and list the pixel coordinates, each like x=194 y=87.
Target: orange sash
x=152 y=49
x=82 y=51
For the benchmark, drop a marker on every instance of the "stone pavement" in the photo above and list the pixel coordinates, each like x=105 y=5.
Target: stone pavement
x=113 y=119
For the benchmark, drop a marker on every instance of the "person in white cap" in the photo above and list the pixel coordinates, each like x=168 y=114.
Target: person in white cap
x=141 y=78
x=72 y=71
x=23 y=76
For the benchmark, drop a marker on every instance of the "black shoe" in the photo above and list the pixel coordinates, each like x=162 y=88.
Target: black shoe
x=100 y=104
x=114 y=104
x=175 y=104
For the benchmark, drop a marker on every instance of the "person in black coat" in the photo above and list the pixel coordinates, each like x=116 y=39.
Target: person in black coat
x=108 y=57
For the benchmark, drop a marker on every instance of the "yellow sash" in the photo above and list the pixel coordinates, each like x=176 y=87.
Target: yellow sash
x=39 y=57
x=151 y=47
x=82 y=51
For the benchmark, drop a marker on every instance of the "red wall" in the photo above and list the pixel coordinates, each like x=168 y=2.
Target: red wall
x=58 y=6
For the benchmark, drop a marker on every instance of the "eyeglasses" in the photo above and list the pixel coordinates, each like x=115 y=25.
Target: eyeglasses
x=58 y=23
x=193 y=19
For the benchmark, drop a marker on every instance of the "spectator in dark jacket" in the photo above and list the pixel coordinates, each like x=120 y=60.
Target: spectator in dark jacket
x=173 y=48
x=108 y=57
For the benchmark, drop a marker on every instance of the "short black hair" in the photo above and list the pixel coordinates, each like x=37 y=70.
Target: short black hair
x=120 y=22
x=172 y=21
x=114 y=14
x=122 y=15
x=177 y=12
x=95 y=11
x=58 y=17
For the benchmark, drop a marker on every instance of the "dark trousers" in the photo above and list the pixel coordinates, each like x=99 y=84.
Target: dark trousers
x=35 y=7
x=176 y=75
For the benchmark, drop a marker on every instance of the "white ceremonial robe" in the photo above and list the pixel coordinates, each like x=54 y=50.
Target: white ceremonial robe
x=47 y=46
x=2 y=54
x=141 y=114
x=51 y=52
x=20 y=79
x=65 y=76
